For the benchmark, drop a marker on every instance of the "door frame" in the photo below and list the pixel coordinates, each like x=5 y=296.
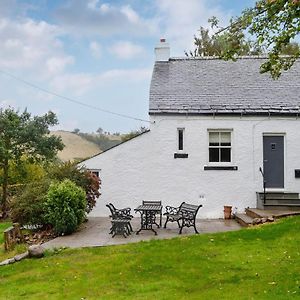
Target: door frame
x=283 y=134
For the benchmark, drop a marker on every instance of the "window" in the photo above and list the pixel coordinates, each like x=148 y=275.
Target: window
x=95 y=173
x=180 y=138
x=219 y=146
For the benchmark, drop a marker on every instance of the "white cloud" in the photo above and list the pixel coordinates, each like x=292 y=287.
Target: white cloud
x=92 y=4
x=126 y=50
x=79 y=84
x=96 y=49
x=32 y=46
x=102 y=19
x=130 y=14
x=57 y=64
x=180 y=21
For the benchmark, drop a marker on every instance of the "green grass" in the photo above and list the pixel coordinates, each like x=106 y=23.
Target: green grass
x=3 y=226
x=256 y=263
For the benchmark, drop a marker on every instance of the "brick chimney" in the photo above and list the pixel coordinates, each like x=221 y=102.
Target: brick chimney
x=162 y=51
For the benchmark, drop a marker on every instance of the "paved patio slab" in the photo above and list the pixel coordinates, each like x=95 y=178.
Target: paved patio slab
x=95 y=232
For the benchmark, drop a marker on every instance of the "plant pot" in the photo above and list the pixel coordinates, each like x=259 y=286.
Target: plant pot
x=227 y=212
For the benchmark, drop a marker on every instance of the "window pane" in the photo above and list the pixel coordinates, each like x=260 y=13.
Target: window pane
x=225 y=138
x=214 y=155
x=180 y=139
x=225 y=154
x=214 y=138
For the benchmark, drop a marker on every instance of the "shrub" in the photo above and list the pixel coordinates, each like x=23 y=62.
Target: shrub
x=27 y=207
x=81 y=177
x=65 y=206
x=92 y=187
x=28 y=201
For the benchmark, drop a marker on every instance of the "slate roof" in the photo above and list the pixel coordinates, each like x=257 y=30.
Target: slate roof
x=213 y=86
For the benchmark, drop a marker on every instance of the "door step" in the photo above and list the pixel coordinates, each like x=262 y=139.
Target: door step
x=278 y=201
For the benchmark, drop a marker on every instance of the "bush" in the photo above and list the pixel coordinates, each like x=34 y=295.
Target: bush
x=27 y=207
x=65 y=206
x=28 y=201
x=81 y=177
x=92 y=187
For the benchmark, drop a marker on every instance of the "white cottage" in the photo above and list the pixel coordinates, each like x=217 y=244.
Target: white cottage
x=214 y=124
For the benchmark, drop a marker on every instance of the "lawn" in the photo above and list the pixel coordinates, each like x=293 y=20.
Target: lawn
x=255 y=263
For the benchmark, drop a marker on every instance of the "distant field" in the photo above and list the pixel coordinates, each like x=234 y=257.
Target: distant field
x=76 y=147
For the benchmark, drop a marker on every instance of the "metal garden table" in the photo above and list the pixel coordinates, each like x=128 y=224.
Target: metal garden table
x=148 y=216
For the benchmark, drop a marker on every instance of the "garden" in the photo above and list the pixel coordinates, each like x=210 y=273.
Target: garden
x=257 y=263
x=45 y=196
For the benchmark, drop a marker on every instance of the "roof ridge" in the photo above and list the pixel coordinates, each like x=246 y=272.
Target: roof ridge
x=265 y=56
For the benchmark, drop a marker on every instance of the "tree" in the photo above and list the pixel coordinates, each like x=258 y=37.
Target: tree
x=133 y=133
x=207 y=44
x=274 y=25
x=100 y=130
x=291 y=49
x=23 y=136
x=76 y=130
x=104 y=142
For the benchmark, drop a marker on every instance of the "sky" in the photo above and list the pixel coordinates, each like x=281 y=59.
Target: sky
x=100 y=53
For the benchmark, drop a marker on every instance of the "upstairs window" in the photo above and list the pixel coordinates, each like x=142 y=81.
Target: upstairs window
x=180 y=132
x=219 y=146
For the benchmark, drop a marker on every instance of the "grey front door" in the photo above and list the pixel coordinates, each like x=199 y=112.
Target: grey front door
x=274 y=161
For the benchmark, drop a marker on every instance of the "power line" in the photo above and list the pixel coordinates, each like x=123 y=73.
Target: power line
x=240 y=21
x=70 y=99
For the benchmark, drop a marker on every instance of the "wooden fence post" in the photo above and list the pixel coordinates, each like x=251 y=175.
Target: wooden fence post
x=12 y=236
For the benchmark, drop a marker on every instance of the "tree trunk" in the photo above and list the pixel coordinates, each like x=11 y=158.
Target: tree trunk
x=4 y=188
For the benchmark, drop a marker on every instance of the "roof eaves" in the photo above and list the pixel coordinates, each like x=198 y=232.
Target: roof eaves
x=232 y=112
x=113 y=147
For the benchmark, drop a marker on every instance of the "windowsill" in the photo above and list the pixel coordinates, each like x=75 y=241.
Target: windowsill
x=275 y=190
x=181 y=155
x=222 y=168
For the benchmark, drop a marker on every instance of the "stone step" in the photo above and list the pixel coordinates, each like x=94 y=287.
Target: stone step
x=243 y=219
x=278 y=201
x=254 y=213
x=279 y=195
x=283 y=201
x=271 y=212
x=281 y=206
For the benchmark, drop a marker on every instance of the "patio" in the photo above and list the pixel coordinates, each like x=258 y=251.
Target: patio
x=95 y=232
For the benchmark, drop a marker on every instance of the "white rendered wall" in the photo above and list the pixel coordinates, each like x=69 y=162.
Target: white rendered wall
x=145 y=169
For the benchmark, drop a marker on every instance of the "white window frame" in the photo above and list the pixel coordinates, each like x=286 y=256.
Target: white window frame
x=220 y=163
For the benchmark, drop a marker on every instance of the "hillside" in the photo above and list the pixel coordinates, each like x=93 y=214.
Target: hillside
x=76 y=147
